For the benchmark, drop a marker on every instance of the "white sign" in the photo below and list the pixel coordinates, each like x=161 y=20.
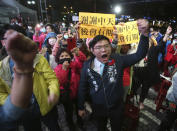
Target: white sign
x=75 y=18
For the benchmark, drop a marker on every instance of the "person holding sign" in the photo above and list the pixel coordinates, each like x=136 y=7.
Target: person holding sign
x=102 y=76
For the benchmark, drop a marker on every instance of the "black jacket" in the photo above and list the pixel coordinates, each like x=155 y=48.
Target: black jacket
x=106 y=91
x=153 y=71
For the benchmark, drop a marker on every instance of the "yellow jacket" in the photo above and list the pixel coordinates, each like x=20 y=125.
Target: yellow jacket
x=44 y=82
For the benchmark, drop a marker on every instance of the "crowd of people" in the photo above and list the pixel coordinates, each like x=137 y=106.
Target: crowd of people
x=49 y=65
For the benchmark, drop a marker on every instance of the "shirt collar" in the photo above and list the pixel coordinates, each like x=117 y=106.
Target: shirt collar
x=97 y=63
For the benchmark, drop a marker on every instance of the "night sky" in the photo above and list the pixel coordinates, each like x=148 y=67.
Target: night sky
x=155 y=9
x=162 y=9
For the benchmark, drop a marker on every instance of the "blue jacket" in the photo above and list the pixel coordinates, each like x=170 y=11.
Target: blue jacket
x=9 y=114
x=107 y=91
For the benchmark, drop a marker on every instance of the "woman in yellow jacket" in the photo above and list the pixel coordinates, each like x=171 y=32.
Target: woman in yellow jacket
x=45 y=94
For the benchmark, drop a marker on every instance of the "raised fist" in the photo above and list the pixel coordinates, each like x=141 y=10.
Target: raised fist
x=21 y=49
x=143 y=27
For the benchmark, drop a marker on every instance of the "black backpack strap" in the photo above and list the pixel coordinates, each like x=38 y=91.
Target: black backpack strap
x=67 y=85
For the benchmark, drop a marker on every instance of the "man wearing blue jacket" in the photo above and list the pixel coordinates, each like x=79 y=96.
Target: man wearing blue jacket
x=102 y=77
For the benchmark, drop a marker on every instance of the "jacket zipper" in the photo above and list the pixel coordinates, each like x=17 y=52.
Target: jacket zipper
x=105 y=93
x=104 y=90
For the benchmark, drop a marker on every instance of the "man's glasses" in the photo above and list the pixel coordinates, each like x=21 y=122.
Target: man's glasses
x=107 y=46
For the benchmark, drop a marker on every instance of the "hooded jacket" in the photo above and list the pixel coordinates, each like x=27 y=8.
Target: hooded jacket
x=49 y=35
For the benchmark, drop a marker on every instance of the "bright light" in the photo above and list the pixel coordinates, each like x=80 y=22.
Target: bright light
x=38 y=25
x=65 y=7
x=29 y=2
x=117 y=9
x=33 y=2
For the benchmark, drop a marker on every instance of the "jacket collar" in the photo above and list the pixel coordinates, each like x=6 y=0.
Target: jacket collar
x=5 y=61
x=36 y=60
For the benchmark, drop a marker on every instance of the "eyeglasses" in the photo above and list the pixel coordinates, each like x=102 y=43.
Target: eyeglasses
x=101 y=47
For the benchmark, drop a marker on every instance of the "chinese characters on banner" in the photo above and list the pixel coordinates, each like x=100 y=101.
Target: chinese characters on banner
x=93 y=24
x=128 y=33
x=96 y=24
x=92 y=31
x=97 y=19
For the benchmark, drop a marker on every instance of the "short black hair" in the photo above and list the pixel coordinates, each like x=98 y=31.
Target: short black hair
x=5 y=27
x=60 y=51
x=51 y=26
x=15 y=27
x=96 y=39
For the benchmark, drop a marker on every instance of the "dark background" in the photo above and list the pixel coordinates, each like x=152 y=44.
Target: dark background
x=154 y=9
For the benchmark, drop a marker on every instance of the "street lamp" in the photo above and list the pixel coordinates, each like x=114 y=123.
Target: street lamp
x=31 y=2
x=117 y=9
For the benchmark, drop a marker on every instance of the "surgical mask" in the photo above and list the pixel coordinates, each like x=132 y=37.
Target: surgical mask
x=52 y=41
x=61 y=61
x=20 y=24
x=175 y=41
x=79 y=45
x=63 y=24
x=43 y=30
x=175 y=35
x=66 y=36
x=29 y=28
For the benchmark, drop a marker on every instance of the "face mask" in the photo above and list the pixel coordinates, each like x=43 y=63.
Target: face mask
x=66 y=36
x=63 y=24
x=79 y=45
x=175 y=41
x=64 y=46
x=43 y=30
x=52 y=41
x=29 y=27
x=20 y=24
x=61 y=61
